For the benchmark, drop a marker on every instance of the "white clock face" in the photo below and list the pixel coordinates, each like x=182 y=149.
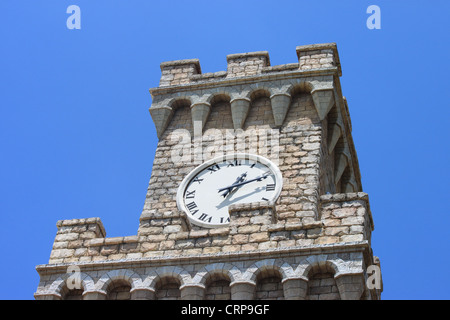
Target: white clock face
x=207 y=192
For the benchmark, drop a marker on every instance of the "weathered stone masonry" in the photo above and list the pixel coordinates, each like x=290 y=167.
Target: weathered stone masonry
x=313 y=243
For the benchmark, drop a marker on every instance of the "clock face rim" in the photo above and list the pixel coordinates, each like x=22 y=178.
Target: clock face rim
x=235 y=156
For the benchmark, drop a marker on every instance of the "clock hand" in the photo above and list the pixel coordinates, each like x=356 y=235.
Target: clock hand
x=226 y=202
x=228 y=193
x=264 y=176
x=230 y=190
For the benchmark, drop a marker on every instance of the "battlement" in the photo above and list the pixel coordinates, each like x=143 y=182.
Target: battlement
x=310 y=58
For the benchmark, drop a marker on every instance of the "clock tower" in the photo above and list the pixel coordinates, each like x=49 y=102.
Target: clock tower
x=255 y=193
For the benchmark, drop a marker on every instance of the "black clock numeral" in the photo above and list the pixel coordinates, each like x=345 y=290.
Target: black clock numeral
x=234 y=163
x=226 y=220
x=251 y=167
x=197 y=179
x=214 y=168
x=190 y=194
x=191 y=206
x=270 y=187
x=264 y=199
x=204 y=217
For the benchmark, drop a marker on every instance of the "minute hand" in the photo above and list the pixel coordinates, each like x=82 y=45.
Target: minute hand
x=245 y=182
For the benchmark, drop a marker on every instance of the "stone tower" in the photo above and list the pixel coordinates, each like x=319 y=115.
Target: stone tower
x=312 y=240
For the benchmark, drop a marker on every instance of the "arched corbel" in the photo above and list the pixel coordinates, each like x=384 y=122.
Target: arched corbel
x=323 y=101
x=239 y=111
x=280 y=104
x=161 y=117
x=350 y=185
x=200 y=112
x=340 y=165
x=334 y=135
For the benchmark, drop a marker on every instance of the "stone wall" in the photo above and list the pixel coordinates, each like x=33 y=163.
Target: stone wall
x=322 y=286
x=181 y=72
x=344 y=218
x=255 y=258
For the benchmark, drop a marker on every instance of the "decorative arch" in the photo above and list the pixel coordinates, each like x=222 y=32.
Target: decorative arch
x=322 y=268
x=225 y=269
x=259 y=92
x=126 y=275
x=300 y=87
x=269 y=265
x=317 y=262
x=159 y=278
x=268 y=276
x=179 y=101
x=322 y=95
x=181 y=275
x=59 y=286
x=217 y=97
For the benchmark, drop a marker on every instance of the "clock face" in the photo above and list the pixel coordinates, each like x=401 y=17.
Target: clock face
x=207 y=192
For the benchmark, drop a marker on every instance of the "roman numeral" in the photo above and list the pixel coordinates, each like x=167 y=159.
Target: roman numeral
x=191 y=206
x=190 y=194
x=234 y=163
x=204 y=216
x=197 y=179
x=270 y=187
x=251 y=167
x=226 y=221
x=264 y=199
x=214 y=168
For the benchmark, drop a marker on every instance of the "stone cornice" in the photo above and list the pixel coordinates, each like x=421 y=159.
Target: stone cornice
x=265 y=76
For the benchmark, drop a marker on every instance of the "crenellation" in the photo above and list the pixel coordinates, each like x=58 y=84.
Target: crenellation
x=243 y=65
x=318 y=56
x=247 y=64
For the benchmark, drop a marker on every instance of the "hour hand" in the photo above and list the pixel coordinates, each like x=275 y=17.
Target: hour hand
x=229 y=189
x=238 y=184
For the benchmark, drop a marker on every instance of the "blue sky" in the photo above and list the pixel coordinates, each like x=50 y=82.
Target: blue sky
x=77 y=140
